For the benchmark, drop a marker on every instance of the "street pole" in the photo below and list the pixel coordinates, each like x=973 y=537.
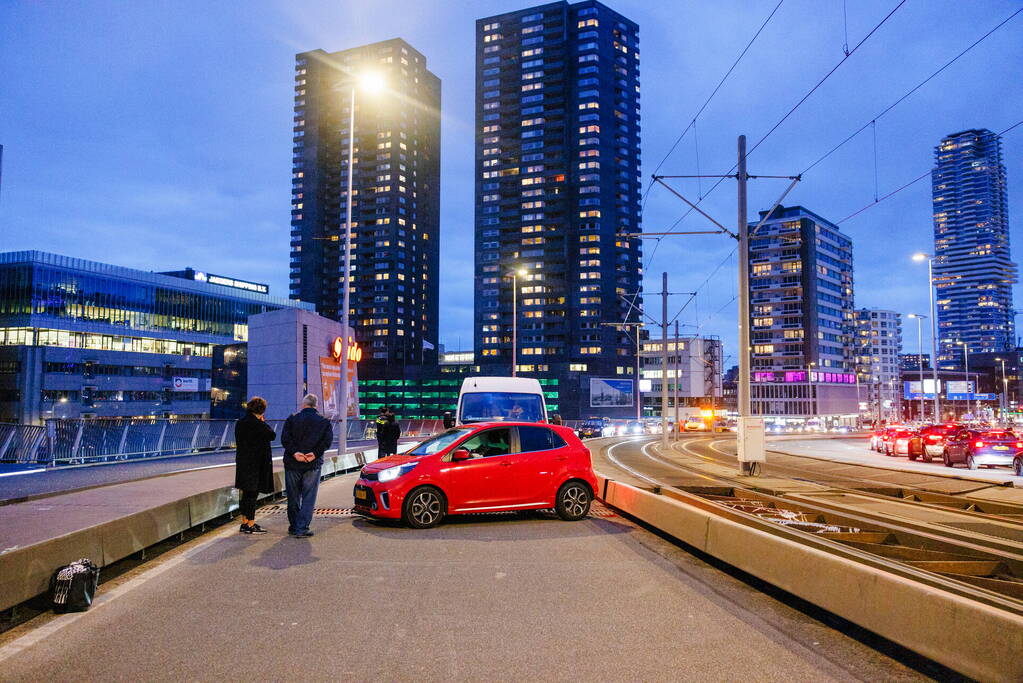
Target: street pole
x=346 y=297
x=639 y=394
x=515 y=322
x=678 y=363
x=749 y=444
x=934 y=340
x=664 y=361
x=920 y=351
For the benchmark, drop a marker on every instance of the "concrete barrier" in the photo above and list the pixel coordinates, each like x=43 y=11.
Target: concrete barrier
x=974 y=638
x=25 y=571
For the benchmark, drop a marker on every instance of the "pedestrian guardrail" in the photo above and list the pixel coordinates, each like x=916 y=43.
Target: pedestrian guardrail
x=60 y=442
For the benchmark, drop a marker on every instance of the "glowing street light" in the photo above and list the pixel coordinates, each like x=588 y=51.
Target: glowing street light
x=369 y=82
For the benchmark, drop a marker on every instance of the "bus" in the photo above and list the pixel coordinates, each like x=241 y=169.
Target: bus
x=501 y=399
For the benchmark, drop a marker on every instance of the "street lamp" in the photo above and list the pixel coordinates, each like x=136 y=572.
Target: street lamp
x=515 y=275
x=369 y=82
x=809 y=379
x=920 y=353
x=920 y=256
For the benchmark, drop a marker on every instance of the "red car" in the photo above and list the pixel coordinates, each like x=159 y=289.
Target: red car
x=485 y=467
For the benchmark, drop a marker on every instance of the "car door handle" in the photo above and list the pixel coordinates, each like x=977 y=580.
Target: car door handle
x=506 y=464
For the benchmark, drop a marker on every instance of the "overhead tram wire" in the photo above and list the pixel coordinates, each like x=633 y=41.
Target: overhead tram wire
x=728 y=73
x=911 y=91
x=792 y=110
x=692 y=124
x=910 y=183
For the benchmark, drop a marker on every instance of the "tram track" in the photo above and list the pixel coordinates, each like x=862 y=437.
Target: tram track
x=970 y=553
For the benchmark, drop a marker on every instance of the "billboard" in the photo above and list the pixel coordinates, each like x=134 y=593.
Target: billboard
x=911 y=390
x=610 y=393
x=330 y=386
x=190 y=384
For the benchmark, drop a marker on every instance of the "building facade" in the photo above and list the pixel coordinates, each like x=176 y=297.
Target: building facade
x=802 y=317
x=694 y=373
x=85 y=339
x=878 y=370
x=557 y=191
x=395 y=205
x=973 y=271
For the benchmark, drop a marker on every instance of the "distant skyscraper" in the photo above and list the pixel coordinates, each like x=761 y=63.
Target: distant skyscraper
x=973 y=272
x=557 y=180
x=396 y=188
x=878 y=344
x=801 y=305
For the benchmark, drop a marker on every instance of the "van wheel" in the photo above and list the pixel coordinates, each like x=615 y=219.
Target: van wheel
x=573 y=502
x=423 y=508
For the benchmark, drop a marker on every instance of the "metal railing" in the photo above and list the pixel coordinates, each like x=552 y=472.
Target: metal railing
x=62 y=442
x=84 y=441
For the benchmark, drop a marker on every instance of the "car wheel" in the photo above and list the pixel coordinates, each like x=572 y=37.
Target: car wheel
x=423 y=508
x=573 y=501
x=910 y=453
x=970 y=462
x=1017 y=465
x=947 y=460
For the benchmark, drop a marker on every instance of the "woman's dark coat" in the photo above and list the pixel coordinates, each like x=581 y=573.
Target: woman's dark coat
x=253 y=465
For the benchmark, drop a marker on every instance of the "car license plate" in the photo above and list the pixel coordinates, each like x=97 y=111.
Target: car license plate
x=359 y=493
x=1001 y=448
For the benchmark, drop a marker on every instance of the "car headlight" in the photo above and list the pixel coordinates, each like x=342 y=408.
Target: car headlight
x=392 y=473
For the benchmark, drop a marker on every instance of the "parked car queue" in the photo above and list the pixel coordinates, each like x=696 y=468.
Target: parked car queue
x=954 y=444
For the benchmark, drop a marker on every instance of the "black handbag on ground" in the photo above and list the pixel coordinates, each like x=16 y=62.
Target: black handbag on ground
x=73 y=587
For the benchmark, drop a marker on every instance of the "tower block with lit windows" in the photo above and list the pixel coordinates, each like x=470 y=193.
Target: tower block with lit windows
x=557 y=181
x=395 y=192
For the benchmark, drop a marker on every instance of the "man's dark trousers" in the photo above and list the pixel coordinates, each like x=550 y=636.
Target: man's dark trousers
x=301 y=486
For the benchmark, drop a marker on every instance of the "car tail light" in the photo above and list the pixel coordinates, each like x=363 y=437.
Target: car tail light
x=978 y=444
x=1019 y=444
x=933 y=437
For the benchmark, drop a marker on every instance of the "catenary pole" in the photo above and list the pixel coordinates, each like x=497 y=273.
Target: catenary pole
x=664 y=360
x=934 y=340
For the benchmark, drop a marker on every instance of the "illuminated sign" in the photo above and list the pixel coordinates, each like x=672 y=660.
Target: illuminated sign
x=231 y=282
x=354 y=350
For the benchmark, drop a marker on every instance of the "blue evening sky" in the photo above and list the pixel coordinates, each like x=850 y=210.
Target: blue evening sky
x=157 y=135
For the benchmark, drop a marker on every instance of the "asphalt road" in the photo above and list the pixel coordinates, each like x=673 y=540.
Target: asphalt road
x=498 y=597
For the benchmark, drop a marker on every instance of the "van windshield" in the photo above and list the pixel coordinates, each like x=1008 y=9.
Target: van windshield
x=495 y=406
x=438 y=443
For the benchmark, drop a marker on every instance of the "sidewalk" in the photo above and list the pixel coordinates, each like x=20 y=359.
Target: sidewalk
x=483 y=597
x=108 y=523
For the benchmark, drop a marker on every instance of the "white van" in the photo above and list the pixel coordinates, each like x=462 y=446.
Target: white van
x=501 y=399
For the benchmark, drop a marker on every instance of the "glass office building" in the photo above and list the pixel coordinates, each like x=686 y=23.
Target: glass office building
x=557 y=193
x=85 y=339
x=973 y=270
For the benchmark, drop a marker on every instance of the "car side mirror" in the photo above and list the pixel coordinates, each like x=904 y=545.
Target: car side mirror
x=460 y=454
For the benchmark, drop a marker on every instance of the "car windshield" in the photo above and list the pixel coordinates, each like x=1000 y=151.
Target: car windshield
x=495 y=406
x=593 y=423
x=439 y=442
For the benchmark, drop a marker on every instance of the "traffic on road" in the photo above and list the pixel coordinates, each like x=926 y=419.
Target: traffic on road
x=970 y=445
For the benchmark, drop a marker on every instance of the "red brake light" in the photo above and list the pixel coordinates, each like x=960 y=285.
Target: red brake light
x=1019 y=444
x=978 y=444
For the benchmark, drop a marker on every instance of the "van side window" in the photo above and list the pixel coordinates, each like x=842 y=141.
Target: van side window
x=538 y=439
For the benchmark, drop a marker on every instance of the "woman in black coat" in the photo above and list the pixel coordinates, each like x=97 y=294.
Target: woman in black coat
x=253 y=466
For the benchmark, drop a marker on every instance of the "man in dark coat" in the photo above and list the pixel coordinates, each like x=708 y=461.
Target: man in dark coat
x=253 y=473
x=305 y=437
x=388 y=433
